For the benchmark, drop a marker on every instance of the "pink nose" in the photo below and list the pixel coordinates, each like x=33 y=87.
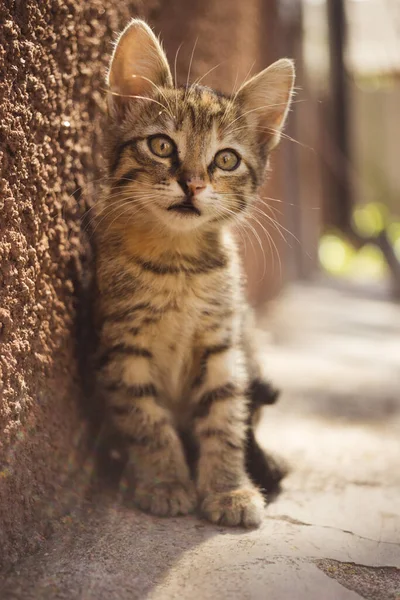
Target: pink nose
x=195 y=185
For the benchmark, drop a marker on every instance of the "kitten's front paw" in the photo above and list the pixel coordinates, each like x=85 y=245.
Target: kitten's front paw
x=238 y=507
x=166 y=499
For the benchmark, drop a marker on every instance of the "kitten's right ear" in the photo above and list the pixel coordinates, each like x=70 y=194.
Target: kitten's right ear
x=266 y=98
x=138 y=65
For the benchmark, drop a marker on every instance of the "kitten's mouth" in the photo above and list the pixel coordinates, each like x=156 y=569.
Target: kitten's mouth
x=185 y=208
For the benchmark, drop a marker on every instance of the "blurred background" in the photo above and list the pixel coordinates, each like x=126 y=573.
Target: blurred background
x=331 y=207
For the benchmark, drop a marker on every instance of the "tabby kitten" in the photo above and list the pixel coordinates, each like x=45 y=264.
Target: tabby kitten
x=176 y=358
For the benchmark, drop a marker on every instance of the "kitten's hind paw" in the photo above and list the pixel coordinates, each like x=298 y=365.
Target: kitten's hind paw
x=166 y=499
x=243 y=507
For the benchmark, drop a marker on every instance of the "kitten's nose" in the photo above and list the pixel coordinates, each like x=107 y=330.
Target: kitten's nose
x=195 y=185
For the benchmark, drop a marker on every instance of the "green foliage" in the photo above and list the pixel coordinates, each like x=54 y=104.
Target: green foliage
x=339 y=258
x=394 y=237
x=370 y=219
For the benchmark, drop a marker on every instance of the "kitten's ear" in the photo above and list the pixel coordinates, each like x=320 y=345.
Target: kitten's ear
x=138 y=64
x=267 y=97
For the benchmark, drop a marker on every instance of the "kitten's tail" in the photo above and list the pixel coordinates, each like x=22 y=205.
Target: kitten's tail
x=264 y=469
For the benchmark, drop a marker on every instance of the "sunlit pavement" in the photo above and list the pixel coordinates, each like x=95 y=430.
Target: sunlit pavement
x=334 y=531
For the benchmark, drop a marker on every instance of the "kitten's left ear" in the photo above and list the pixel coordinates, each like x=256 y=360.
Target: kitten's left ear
x=266 y=98
x=138 y=64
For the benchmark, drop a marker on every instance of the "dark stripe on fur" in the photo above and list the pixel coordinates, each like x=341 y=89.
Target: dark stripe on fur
x=209 y=351
x=222 y=435
x=217 y=349
x=253 y=175
x=125 y=349
x=134 y=330
x=164 y=269
x=125 y=313
x=121 y=410
x=122 y=283
x=156 y=268
x=208 y=398
x=211 y=169
x=150 y=320
x=201 y=376
x=207 y=266
x=135 y=391
x=120 y=150
x=128 y=177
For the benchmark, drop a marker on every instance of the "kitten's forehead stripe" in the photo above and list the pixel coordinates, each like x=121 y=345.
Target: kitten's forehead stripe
x=198 y=123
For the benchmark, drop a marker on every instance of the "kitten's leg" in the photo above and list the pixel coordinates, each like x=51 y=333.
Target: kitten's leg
x=162 y=481
x=221 y=419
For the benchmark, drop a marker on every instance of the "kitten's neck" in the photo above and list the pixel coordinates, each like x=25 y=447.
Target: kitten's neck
x=151 y=242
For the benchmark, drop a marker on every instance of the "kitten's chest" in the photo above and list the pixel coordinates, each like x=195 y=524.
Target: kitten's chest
x=177 y=337
x=174 y=350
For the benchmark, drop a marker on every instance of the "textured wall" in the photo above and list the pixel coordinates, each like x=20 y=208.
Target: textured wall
x=52 y=63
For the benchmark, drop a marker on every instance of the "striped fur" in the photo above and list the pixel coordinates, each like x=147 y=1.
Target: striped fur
x=175 y=358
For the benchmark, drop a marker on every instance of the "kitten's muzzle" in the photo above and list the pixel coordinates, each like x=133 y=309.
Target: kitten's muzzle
x=185 y=207
x=191 y=186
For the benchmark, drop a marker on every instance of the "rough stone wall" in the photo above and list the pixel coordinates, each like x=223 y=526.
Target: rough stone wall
x=52 y=63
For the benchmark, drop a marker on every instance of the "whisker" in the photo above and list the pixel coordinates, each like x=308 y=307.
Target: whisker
x=256 y=197
x=190 y=66
x=141 y=98
x=107 y=211
x=129 y=180
x=252 y=110
x=283 y=228
x=272 y=130
x=159 y=90
x=275 y=224
x=233 y=98
x=197 y=81
x=278 y=226
x=270 y=239
x=86 y=185
x=81 y=188
x=175 y=62
x=176 y=78
x=255 y=233
x=244 y=226
x=122 y=214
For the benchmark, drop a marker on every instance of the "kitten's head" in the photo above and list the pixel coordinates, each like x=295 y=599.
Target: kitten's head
x=187 y=158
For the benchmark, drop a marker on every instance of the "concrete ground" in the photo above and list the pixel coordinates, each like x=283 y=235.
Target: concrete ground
x=334 y=531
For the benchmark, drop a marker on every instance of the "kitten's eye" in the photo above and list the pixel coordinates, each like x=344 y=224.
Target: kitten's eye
x=227 y=160
x=161 y=146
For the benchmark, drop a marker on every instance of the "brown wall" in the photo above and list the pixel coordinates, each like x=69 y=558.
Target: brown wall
x=52 y=62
